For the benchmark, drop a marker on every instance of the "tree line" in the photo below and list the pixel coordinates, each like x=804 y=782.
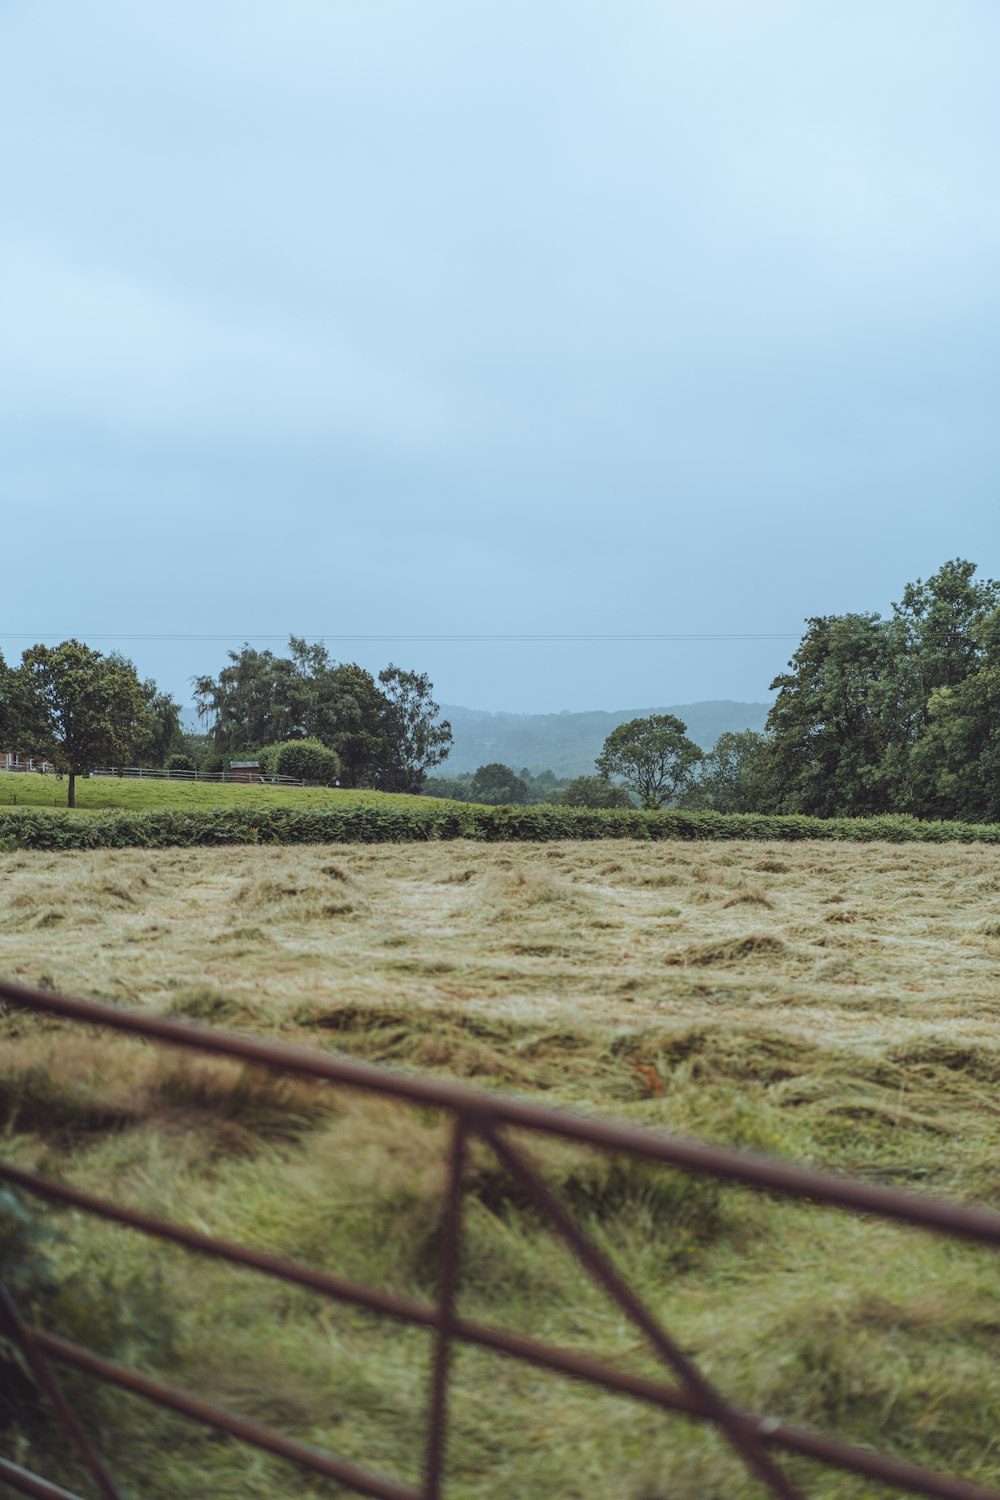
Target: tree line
x=873 y=715
x=879 y=715
x=83 y=710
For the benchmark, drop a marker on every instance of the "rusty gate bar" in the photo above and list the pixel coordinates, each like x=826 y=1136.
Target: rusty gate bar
x=452 y=1231
x=956 y=1219
x=740 y=1434
x=830 y=1451
x=483 y=1115
x=23 y=1336
x=223 y=1421
x=30 y=1484
x=516 y=1346
x=393 y=1306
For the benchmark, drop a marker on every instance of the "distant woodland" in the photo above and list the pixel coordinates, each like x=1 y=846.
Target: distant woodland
x=895 y=714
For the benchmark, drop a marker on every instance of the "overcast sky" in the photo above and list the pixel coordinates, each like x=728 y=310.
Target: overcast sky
x=393 y=319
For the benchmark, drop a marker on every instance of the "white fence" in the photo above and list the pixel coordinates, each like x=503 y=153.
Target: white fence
x=152 y=773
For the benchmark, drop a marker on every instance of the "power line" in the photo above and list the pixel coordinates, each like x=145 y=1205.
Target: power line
x=354 y=639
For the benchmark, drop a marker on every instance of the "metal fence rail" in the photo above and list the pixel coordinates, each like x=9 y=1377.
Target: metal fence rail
x=487 y=1117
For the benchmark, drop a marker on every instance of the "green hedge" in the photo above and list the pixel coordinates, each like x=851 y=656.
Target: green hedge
x=377 y=823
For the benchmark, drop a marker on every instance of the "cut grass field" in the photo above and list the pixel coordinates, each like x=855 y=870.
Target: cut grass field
x=147 y=794
x=831 y=1004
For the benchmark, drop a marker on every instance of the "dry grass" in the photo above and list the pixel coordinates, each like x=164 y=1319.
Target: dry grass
x=832 y=1003
x=863 y=945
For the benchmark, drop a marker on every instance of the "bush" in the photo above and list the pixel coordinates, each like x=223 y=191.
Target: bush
x=213 y=763
x=427 y=819
x=179 y=763
x=307 y=760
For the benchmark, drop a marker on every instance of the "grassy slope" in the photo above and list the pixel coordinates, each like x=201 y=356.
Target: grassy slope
x=828 y=1003
x=133 y=794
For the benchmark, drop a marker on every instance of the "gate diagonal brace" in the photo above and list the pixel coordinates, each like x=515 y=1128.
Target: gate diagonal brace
x=738 y=1431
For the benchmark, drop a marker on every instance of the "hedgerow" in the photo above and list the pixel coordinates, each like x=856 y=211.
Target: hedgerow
x=395 y=822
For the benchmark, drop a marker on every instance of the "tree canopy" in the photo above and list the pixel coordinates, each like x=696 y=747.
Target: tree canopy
x=865 y=717
x=385 y=733
x=594 y=791
x=653 y=757
x=874 y=715
x=77 y=707
x=496 y=784
x=416 y=740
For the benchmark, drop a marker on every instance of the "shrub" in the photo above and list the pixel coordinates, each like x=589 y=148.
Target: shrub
x=307 y=760
x=179 y=763
x=382 y=822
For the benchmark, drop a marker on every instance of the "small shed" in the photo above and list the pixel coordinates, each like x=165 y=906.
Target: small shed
x=245 y=770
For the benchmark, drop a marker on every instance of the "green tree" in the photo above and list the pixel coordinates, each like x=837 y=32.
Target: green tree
x=165 y=733
x=258 y=699
x=838 y=724
x=956 y=761
x=737 y=775
x=353 y=719
x=497 y=784
x=416 y=739
x=593 y=791
x=653 y=757
x=861 y=692
x=939 y=642
x=79 y=708
x=263 y=699
x=454 y=788
x=7 y=727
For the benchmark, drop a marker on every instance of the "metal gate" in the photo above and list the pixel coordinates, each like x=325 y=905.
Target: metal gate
x=759 y=1439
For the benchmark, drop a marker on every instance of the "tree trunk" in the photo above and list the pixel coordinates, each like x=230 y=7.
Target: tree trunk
x=71 y=798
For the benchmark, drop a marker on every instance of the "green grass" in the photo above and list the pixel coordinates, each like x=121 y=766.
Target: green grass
x=828 y=1004
x=135 y=794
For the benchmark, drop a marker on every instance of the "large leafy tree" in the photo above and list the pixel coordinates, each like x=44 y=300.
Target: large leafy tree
x=861 y=694
x=737 y=775
x=956 y=762
x=353 y=719
x=78 y=707
x=6 y=708
x=939 y=642
x=653 y=757
x=386 y=733
x=838 y=724
x=165 y=733
x=258 y=699
x=417 y=739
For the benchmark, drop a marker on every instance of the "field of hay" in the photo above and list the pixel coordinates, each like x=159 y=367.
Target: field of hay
x=147 y=794
x=832 y=1004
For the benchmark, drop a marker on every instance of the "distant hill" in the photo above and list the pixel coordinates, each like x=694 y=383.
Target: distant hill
x=568 y=743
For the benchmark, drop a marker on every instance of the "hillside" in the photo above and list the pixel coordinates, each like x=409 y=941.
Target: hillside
x=567 y=743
